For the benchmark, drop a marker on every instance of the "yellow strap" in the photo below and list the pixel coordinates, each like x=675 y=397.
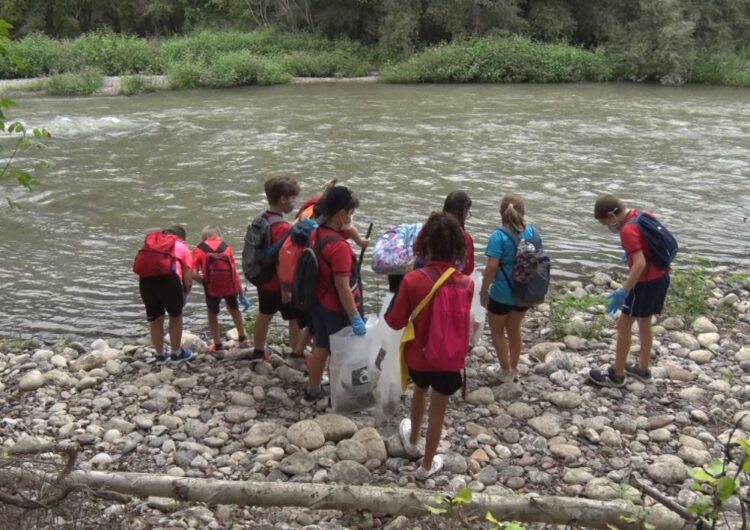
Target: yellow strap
x=426 y=300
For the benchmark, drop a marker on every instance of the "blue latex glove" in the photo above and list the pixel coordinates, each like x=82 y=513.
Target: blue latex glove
x=246 y=304
x=616 y=298
x=624 y=258
x=358 y=325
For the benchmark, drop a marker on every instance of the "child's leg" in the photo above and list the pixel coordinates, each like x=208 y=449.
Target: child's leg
x=622 y=349
x=515 y=339
x=156 y=330
x=497 y=330
x=304 y=339
x=239 y=322
x=175 y=332
x=294 y=333
x=262 y=323
x=213 y=327
x=647 y=340
x=438 y=404
x=317 y=366
x=418 y=406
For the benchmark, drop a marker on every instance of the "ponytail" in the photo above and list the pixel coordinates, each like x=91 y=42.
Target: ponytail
x=512 y=211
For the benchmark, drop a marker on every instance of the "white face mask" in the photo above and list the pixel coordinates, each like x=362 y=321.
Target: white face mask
x=615 y=227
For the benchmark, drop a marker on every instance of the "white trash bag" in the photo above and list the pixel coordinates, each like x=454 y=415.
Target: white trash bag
x=478 y=313
x=386 y=368
x=351 y=384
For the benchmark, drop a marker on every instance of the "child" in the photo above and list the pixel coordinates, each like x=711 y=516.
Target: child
x=441 y=244
x=505 y=315
x=281 y=192
x=168 y=293
x=641 y=296
x=215 y=267
x=458 y=205
x=338 y=304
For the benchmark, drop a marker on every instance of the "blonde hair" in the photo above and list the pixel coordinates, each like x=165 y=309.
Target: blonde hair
x=330 y=184
x=209 y=231
x=512 y=211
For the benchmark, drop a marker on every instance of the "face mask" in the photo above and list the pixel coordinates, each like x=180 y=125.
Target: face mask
x=291 y=207
x=615 y=227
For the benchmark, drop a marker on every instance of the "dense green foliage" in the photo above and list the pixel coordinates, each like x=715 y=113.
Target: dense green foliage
x=83 y=83
x=669 y=41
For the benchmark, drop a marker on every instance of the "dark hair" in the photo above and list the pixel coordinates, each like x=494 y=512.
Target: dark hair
x=176 y=230
x=457 y=203
x=334 y=200
x=441 y=239
x=512 y=211
x=280 y=186
x=606 y=204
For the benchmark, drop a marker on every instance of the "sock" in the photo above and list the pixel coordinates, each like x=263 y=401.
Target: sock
x=313 y=389
x=259 y=353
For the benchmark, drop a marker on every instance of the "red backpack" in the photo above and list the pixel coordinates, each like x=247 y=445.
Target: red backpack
x=157 y=256
x=219 y=280
x=450 y=324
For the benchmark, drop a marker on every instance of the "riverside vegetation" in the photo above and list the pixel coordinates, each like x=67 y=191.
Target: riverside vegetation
x=550 y=434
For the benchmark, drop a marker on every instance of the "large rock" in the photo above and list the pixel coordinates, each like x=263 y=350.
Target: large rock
x=539 y=351
x=673 y=323
x=507 y=392
x=370 y=438
x=95 y=359
x=306 y=434
x=298 y=463
x=693 y=394
x=566 y=399
x=603 y=489
x=521 y=411
x=481 y=396
x=350 y=472
x=193 y=342
x=668 y=469
x=351 y=450
x=547 y=425
x=336 y=427
x=260 y=433
x=685 y=339
x=704 y=325
x=701 y=356
x=31 y=380
x=743 y=354
x=708 y=339
x=696 y=457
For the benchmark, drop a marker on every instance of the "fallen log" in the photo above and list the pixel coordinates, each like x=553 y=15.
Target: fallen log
x=381 y=500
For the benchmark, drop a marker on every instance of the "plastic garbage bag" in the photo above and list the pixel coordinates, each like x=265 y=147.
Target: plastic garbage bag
x=350 y=375
x=478 y=313
x=385 y=368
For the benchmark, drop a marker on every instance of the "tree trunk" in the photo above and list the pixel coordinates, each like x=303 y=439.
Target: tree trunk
x=382 y=500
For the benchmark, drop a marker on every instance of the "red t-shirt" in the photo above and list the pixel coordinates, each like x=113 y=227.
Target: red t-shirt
x=632 y=241
x=278 y=232
x=469 y=259
x=414 y=287
x=335 y=259
x=200 y=260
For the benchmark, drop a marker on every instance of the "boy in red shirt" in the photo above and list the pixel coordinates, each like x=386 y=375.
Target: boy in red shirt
x=338 y=289
x=441 y=244
x=281 y=192
x=640 y=297
x=215 y=279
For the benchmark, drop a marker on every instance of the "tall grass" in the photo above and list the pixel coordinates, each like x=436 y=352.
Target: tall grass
x=721 y=69
x=136 y=84
x=82 y=83
x=501 y=60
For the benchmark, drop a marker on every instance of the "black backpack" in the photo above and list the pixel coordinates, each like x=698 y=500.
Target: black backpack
x=661 y=241
x=529 y=281
x=259 y=255
x=306 y=274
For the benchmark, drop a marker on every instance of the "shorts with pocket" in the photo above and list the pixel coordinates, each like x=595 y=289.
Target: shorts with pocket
x=213 y=303
x=496 y=308
x=269 y=303
x=447 y=383
x=162 y=293
x=647 y=298
x=325 y=323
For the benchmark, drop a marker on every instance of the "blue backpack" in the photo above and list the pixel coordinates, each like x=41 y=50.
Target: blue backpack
x=662 y=243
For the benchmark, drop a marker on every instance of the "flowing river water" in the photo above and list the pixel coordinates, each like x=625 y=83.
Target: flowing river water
x=122 y=166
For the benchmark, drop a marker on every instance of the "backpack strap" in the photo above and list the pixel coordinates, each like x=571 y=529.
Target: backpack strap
x=320 y=244
x=208 y=250
x=426 y=300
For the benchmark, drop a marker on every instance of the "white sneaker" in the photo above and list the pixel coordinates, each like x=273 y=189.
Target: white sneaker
x=404 y=432
x=423 y=474
x=500 y=374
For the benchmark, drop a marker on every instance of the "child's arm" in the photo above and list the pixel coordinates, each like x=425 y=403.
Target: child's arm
x=639 y=265
x=493 y=264
x=351 y=232
x=400 y=310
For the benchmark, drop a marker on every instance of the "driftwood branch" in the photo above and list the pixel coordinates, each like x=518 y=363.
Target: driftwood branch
x=390 y=501
x=662 y=499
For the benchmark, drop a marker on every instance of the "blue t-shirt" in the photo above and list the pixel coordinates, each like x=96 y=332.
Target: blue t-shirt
x=500 y=246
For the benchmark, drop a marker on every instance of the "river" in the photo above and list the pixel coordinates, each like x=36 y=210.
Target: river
x=122 y=166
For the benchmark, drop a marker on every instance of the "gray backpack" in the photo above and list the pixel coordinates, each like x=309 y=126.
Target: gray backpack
x=259 y=255
x=530 y=278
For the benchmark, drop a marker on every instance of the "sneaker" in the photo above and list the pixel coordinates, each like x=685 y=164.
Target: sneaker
x=404 y=432
x=309 y=399
x=181 y=356
x=644 y=376
x=500 y=374
x=296 y=361
x=243 y=343
x=162 y=358
x=254 y=356
x=216 y=351
x=606 y=378
x=423 y=474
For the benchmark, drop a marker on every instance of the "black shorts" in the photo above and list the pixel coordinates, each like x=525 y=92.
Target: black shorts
x=213 y=302
x=496 y=308
x=269 y=303
x=394 y=282
x=325 y=323
x=647 y=298
x=162 y=293
x=447 y=383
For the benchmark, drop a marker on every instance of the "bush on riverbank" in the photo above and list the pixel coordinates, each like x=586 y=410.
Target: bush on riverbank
x=136 y=84
x=502 y=60
x=82 y=83
x=721 y=69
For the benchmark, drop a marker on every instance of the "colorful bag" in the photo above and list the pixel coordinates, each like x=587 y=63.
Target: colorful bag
x=157 y=255
x=394 y=250
x=291 y=250
x=529 y=281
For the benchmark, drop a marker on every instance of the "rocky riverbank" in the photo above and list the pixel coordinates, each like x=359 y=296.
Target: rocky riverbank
x=552 y=433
